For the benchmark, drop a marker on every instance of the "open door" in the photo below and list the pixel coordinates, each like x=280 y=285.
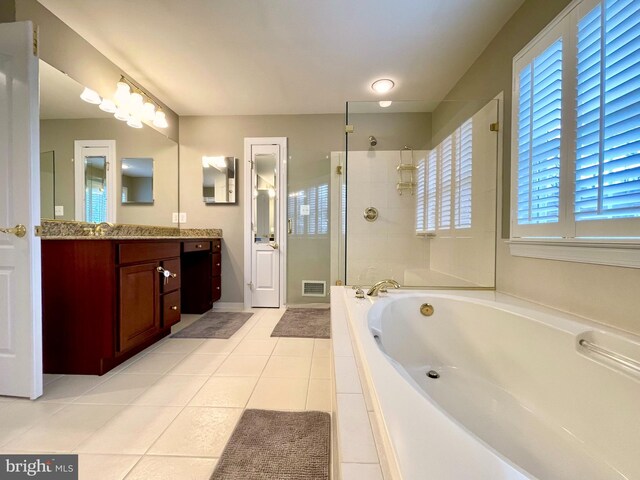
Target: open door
x=20 y=296
x=264 y=234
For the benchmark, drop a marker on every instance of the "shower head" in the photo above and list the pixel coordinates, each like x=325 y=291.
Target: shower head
x=372 y=141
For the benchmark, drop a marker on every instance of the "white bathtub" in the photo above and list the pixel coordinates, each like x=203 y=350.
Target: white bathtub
x=517 y=396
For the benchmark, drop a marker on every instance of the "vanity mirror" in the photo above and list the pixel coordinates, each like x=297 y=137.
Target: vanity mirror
x=137 y=181
x=75 y=136
x=219 y=180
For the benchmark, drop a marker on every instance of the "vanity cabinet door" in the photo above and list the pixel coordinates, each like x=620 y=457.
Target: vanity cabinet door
x=139 y=316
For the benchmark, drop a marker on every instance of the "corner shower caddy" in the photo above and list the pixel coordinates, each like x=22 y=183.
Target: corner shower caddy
x=406 y=172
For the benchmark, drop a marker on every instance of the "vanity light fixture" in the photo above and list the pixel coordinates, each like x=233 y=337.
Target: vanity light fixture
x=107 y=106
x=134 y=122
x=385 y=103
x=160 y=119
x=130 y=104
x=383 y=85
x=90 y=96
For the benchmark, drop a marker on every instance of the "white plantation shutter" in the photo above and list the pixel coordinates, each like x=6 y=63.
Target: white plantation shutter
x=463 y=175
x=539 y=136
x=444 y=183
x=431 y=175
x=608 y=113
x=323 y=209
x=420 y=197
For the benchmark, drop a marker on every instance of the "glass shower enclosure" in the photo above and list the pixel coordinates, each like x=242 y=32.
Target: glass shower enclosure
x=413 y=195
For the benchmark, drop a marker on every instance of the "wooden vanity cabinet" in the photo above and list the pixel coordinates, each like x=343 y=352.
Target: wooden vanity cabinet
x=201 y=267
x=106 y=300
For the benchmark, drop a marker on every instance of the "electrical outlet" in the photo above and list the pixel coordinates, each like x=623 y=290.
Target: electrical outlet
x=174 y=217
x=183 y=217
x=59 y=210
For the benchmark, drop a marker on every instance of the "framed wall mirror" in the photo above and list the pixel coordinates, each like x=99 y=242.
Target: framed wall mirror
x=219 y=180
x=137 y=181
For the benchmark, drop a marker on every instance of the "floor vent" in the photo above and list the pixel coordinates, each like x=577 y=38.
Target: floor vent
x=314 y=288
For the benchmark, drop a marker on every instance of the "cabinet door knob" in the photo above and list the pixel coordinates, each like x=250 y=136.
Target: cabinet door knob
x=217 y=246
x=174 y=307
x=217 y=264
x=217 y=288
x=199 y=245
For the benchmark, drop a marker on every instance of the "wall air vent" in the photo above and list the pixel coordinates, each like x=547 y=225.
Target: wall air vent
x=314 y=288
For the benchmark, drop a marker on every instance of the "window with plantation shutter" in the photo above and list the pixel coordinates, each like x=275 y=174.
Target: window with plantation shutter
x=420 y=197
x=539 y=133
x=444 y=183
x=431 y=175
x=463 y=172
x=576 y=137
x=608 y=113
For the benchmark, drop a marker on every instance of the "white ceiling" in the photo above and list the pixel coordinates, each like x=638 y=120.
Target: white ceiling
x=248 y=57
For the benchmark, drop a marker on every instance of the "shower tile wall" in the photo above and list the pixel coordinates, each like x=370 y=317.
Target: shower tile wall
x=388 y=247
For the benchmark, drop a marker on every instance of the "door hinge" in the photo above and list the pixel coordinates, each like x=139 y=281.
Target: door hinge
x=35 y=40
x=339 y=170
x=250 y=285
x=494 y=127
x=348 y=128
x=38 y=230
x=251 y=162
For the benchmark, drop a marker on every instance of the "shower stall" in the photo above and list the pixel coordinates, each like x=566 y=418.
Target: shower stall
x=414 y=194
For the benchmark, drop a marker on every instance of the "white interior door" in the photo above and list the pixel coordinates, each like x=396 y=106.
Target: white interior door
x=20 y=300
x=265 y=182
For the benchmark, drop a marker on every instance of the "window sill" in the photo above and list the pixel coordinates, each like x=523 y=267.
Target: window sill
x=615 y=253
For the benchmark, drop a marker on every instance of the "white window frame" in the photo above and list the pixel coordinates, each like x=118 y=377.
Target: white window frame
x=79 y=186
x=567 y=240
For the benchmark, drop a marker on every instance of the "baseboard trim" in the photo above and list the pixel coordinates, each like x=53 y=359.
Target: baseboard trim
x=228 y=305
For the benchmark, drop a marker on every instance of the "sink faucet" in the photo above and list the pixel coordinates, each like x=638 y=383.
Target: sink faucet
x=101 y=228
x=381 y=286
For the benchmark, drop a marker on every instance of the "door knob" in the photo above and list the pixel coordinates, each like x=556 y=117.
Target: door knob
x=274 y=245
x=19 y=230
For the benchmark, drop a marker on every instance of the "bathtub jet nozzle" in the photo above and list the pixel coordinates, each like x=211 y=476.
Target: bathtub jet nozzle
x=433 y=374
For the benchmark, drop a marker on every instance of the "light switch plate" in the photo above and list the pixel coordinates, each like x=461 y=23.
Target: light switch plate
x=183 y=217
x=59 y=210
x=174 y=217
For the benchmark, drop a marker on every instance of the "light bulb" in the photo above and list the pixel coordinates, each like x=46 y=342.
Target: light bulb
x=385 y=103
x=148 y=111
x=122 y=114
x=123 y=91
x=135 y=103
x=272 y=193
x=90 y=96
x=108 y=106
x=134 y=122
x=383 y=85
x=160 y=120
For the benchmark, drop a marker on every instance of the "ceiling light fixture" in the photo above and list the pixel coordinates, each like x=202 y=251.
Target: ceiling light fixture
x=383 y=85
x=385 y=103
x=160 y=119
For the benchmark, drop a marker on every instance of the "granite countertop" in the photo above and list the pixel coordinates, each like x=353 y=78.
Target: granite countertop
x=69 y=230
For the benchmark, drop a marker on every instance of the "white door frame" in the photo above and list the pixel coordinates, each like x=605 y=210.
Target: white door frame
x=20 y=276
x=112 y=168
x=282 y=213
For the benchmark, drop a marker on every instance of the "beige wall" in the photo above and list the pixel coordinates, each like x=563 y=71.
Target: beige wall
x=59 y=136
x=605 y=294
x=311 y=138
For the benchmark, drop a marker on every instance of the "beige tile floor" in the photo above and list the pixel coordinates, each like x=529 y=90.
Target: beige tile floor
x=168 y=412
